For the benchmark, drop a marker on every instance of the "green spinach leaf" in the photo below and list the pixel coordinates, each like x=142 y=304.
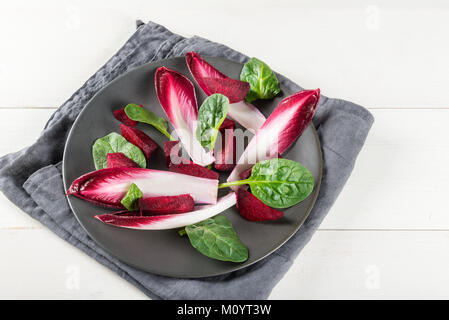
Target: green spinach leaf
x=216 y=238
x=211 y=115
x=113 y=143
x=131 y=198
x=264 y=83
x=137 y=113
x=279 y=183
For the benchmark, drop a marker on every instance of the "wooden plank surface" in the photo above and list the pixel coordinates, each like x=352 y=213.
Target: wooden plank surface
x=377 y=53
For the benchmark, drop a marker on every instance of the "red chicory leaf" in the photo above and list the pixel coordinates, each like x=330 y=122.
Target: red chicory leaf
x=213 y=81
x=107 y=187
x=177 y=97
x=282 y=128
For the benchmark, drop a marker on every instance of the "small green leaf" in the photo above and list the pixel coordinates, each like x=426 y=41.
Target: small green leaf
x=113 y=143
x=264 y=83
x=211 y=115
x=137 y=113
x=131 y=198
x=280 y=183
x=216 y=238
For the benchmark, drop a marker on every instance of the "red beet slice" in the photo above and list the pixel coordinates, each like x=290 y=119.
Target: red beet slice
x=227 y=124
x=225 y=157
x=121 y=116
x=166 y=205
x=193 y=169
x=139 y=139
x=213 y=81
x=235 y=90
x=253 y=209
x=119 y=160
x=171 y=148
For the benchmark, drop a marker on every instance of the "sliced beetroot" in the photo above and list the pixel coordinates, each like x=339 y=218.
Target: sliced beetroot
x=121 y=116
x=107 y=187
x=253 y=209
x=139 y=139
x=166 y=205
x=192 y=169
x=118 y=160
x=227 y=124
x=213 y=81
x=287 y=122
x=235 y=90
x=171 y=149
x=225 y=154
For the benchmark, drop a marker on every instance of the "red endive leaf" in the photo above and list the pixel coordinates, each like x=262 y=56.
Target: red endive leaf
x=280 y=130
x=213 y=81
x=107 y=187
x=177 y=97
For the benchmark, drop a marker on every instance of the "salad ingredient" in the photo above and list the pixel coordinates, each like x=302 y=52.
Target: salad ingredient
x=177 y=97
x=227 y=124
x=113 y=143
x=282 y=128
x=131 y=199
x=217 y=239
x=245 y=174
x=118 y=159
x=253 y=209
x=139 y=139
x=213 y=81
x=171 y=149
x=107 y=187
x=121 y=116
x=169 y=221
x=264 y=83
x=279 y=183
x=192 y=169
x=211 y=115
x=247 y=115
x=166 y=205
x=225 y=153
x=143 y=115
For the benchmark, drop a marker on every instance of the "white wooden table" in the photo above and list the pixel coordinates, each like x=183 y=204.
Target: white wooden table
x=387 y=235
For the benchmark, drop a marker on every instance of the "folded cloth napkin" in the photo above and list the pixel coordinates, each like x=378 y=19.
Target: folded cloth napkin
x=31 y=178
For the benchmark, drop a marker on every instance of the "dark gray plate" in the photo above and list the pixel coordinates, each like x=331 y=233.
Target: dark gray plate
x=165 y=252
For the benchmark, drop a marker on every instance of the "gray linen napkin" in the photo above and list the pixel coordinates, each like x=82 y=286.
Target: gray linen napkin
x=31 y=178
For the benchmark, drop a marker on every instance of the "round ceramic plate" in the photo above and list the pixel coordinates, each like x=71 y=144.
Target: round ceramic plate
x=165 y=252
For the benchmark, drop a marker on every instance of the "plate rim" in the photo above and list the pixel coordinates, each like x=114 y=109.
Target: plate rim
x=237 y=266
